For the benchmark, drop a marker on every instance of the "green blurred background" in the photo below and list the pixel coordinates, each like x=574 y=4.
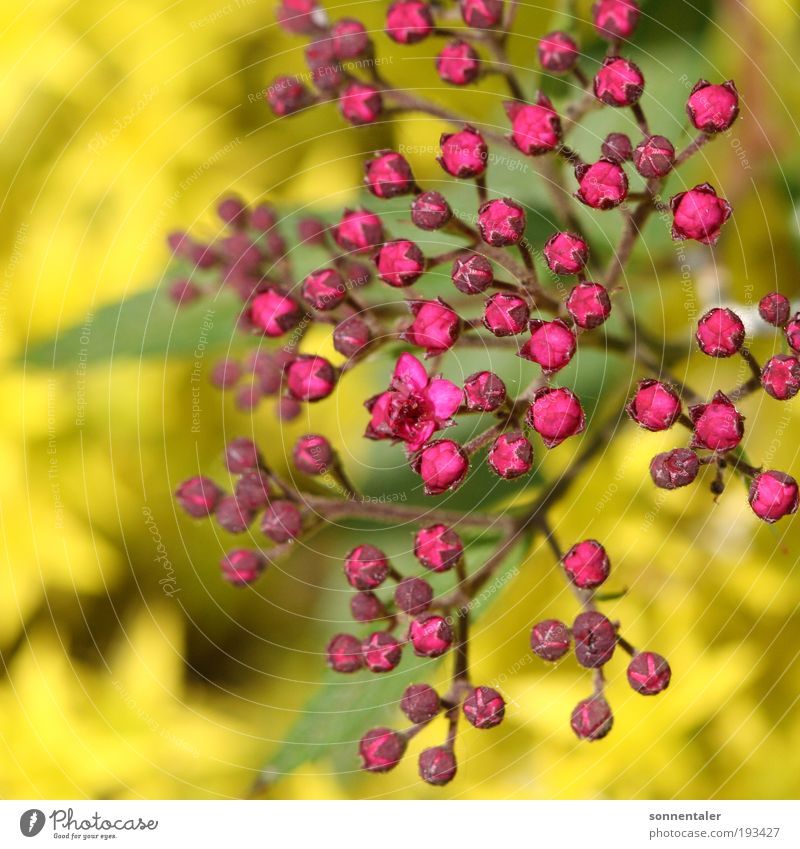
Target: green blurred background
x=125 y=676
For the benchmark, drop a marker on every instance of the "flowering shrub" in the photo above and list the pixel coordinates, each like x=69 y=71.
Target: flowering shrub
x=498 y=297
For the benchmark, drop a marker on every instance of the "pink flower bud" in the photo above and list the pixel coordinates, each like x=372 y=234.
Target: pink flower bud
x=511 y=455
x=253 y=489
x=345 y=653
x=287 y=95
x=198 y=496
x=718 y=425
x=618 y=82
x=350 y=39
x=301 y=17
x=430 y=211
x=589 y=304
x=458 y=63
x=312 y=454
x=720 y=333
x=566 y=253
x=359 y=231
x=501 y=222
x=413 y=596
x=602 y=185
x=558 y=52
x=241 y=455
x=484 y=707
x=481 y=14
x=367 y=607
x=420 y=703
x=233 y=212
x=437 y=765
x=288 y=409
x=324 y=289
x=649 y=673
x=351 y=336
x=409 y=21
x=654 y=156
x=464 y=154
x=713 y=108
x=615 y=19
x=552 y=345
x=225 y=374
x=595 y=639
x=592 y=718
x=535 y=128
x=310 y=378
x=281 y=521
x=436 y=326
x=505 y=314
x=231 y=516
x=617 y=148
x=366 y=567
x=472 y=274
x=381 y=749
x=382 y=652
x=312 y=231
x=556 y=414
x=442 y=465
x=780 y=377
x=242 y=566
x=655 y=406
x=388 y=175
x=775 y=309
x=550 y=639
x=274 y=313
x=326 y=73
x=675 y=468
x=438 y=548
x=183 y=292
x=773 y=495
x=361 y=103
x=587 y=564
x=400 y=263
x=793 y=333
x=699 y=214
x=484 y=391
x=431 y=636
x=263 y=218
x=248 y=397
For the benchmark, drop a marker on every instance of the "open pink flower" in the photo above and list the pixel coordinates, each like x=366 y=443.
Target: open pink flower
x=414 y=407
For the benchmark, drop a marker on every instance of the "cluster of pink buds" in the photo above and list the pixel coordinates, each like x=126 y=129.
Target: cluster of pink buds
x=374 y=291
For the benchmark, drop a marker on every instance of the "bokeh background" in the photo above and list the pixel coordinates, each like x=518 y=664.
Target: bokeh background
x=126 y=676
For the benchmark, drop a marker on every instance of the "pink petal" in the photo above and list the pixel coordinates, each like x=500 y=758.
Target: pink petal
x=422 y=435
x=410 y=372
x=445 y=398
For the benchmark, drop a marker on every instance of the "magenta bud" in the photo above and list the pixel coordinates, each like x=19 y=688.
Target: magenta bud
x=360 y=103
x=232 y=211
x=472 y=274
x=675 y=468
x=595 y=639
x=780 y=377
x=649 y=673
x=324 y=289
x=654 y=156
x=431 y=636
x=511 y=455
x=587 y=564
x=312 y=454
x=617 y=148
x=287 y=95
x=358 y=231
x=720 y=333
x=484 y=391
x=501 y=222
x=381 y=749
x=300 y=17
x=556 y=414
x=558 y=52
x=442 y=465
x=699 y=214
x=367 y=607
x=198 y=496
x=400 y=263
x=618 y=82
x=484 y=707
x=464 y=154
x=274 y=313
x=388 y=175
x=253 y=489
x=589 y=305
x=793 y=333
x=242 y=566
x=413 y=596
x=420 y=703
x=773 y=495
x=438 y=548
x=592 y=718
x=241 y=455
x=366 y=567
x=349 y=39
x=183 y=292
x=436 y=327
x=718 y=425
x=655 y=406
x=409 y=21
x=437 y=765
x=506 y=314
x=552 y=345
x=458 y=63
x=535 y=127
x=713 y=108
x=288 y=409
x=225 y=374
x=282 y=521
x=775 y=309
x=345 y=653
x=263 y=218
x=430 y=211
x=231 y=516
x=351 y=336
x=481 y=14
x=602 y=185
x=550 y=639
x=310 y=378
x=614 y=19
x=566 y=253
x=248 y=396
x=382 y=652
